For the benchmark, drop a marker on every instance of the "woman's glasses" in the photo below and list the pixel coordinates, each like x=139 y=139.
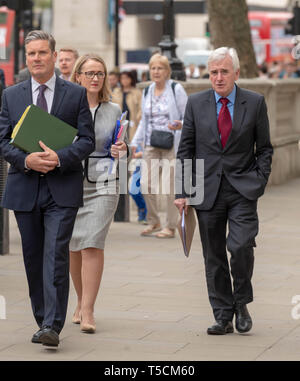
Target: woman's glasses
x=92 y=74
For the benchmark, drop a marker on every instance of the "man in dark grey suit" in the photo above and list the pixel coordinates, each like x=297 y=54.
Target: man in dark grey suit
x=228 y=128
x=44 y=189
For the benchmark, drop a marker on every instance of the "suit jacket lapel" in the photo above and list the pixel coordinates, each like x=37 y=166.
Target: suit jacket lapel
x=212 y=116
x=27 y=93
x=238 y=116
x=59 y=93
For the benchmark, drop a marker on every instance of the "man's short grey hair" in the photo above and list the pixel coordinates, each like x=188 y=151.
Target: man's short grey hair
x=41 y=35
x=221 y=53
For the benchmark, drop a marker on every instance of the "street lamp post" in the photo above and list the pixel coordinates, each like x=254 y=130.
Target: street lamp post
x=167 y=44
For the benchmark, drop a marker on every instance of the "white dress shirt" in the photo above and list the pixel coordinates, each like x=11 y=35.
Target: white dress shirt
x=49 y=92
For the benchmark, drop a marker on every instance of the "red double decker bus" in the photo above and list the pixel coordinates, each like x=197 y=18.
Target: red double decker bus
x=7 y=53
x=268 y=35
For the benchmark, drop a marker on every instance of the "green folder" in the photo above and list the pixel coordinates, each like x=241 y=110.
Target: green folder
x=35 y=125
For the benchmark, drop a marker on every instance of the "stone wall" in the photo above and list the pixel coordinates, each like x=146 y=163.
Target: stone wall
x=83 y=25
x=283 y=102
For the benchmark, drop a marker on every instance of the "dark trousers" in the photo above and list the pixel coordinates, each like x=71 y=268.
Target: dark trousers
x=45 y=233
x=231 y=210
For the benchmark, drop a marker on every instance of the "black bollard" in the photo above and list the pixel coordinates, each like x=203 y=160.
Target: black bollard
x=122 y=212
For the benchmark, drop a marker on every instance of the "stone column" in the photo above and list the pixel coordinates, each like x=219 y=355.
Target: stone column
x=83 y=25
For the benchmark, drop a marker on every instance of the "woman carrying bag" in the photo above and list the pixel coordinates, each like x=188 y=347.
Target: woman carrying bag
x=159 y=131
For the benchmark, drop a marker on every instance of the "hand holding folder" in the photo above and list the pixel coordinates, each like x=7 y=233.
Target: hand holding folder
x=186 y=227
x=118 y=136
x=37 y=125
x=120 y=129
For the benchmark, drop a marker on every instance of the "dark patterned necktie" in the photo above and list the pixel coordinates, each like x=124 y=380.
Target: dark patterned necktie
x=224 y=121
x=41 y=100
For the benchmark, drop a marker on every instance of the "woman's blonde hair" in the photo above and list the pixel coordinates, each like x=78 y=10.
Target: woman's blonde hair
x=163 y=60
x=104 y=93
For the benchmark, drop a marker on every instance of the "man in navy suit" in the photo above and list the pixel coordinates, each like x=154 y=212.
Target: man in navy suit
x=45 y=188
x=228 y=128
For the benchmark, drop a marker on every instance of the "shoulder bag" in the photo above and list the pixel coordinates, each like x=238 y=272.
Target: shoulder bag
x=161 y=139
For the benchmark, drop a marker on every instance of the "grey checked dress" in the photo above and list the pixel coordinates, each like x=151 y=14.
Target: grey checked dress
x=100 y=188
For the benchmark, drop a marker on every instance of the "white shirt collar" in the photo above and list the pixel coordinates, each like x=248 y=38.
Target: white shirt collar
x=50 y=84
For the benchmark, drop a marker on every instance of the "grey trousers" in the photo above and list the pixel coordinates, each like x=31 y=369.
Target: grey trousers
x=159 y=164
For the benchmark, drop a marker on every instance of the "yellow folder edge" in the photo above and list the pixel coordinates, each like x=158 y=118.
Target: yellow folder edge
x=18 y=125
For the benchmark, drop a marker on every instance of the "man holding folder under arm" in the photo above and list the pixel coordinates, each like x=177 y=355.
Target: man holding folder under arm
x=227 y=128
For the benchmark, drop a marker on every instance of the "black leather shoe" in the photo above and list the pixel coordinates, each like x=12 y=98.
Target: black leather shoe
x=243 y=321
x=49 y=337
x=36 y=337
x=221 y=327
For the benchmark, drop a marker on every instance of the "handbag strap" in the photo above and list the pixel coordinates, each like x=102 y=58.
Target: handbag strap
x=86 y=161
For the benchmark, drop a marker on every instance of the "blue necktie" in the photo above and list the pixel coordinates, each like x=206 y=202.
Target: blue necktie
x=41 y=100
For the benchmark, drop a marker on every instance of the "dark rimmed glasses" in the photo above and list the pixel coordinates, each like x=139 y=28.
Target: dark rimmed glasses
x=91 y=74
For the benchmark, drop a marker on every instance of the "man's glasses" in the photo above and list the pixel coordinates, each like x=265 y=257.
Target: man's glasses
x=91 y=74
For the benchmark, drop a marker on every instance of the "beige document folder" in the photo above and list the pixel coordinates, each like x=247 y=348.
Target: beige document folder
x=186 y=227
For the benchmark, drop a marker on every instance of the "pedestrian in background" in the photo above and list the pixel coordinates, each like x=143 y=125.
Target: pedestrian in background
x=113 y=80
x=67 y=57
x=163 y=105
x=129 y=98
x=289 y=69
x=100 y=197
x=135 y=186
x=45 y=188
x=192 y=71
x=228 y=128
x=274 y=69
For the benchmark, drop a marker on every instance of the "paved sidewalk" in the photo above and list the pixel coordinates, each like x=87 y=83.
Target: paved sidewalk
x=153 y=301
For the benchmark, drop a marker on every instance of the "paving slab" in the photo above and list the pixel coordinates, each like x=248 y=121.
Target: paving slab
x=153 y=304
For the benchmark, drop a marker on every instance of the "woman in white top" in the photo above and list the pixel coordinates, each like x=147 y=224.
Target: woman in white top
x=101 y=194
x=163 y=106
